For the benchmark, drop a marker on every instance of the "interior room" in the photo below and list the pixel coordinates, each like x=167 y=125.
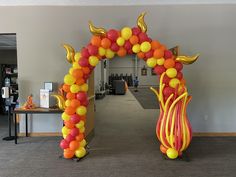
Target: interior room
x=117 y=88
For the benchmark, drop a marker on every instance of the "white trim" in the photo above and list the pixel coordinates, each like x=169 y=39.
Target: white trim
x=109 y=2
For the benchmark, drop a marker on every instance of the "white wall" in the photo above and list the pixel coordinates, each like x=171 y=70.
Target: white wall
x=208 y=29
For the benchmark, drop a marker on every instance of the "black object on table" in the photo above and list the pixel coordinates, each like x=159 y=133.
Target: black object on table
x=32 y=111
x=9 y=137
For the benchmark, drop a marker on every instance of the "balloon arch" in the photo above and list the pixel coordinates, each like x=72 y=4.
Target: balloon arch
x=173 y=129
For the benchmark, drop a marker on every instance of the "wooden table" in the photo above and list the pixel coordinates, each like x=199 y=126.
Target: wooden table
x=32 y=111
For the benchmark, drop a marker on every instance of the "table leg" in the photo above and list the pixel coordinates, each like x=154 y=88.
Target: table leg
x=26 y=125
x=14 y=116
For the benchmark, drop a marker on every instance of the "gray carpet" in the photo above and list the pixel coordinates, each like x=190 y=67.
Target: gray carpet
x=146 y=98
x=125 y=145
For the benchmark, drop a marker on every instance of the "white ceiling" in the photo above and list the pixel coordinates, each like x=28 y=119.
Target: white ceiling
x=109 y=2
x=7 y=41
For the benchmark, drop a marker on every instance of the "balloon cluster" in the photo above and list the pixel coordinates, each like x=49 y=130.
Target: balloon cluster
x=173 y=128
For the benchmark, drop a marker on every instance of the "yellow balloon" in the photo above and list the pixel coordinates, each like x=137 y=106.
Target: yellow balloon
x=80 y=152
x=77 y=56
x=80 y=124
x=65 y=116
x=172 y=153
x=81 y=110
x=171 y=72
x=101 y=51
x=136 y=48
x=160 y=61
x=120 y=41
x=109 y=53
x=71 y=71
x=76 y=65
x=151 y=62
x=64 y=136
x=145 y=46
x=174 y=82
x=82 y=130
x=69 y=79
x=82 y=143
x=67 y=103
x=126 y=33
x=93 y=60
x=74 y=88
x=65 y=130
x=84 y=87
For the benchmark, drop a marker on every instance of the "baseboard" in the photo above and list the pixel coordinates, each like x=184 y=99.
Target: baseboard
x=92 y=134
x=88 y=138
x=213 y=134
x=38 y=134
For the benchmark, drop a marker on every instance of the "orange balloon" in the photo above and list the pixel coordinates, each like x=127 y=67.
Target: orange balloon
x=105 y=43
x=70 y=110
x=83 y=118
x=68 y=154
x=70 y=96
x=183 y=81
x=77 y=73
x=86 y=70
x=69 y=124
x=96 y=40
x=163 y=149
x=155 y=45
x=169 y=63
x=74 y=145
x=158 y=53
x=66 y=87
x=79 y=137
x=163 y=47
x=80 y=81
x=141 y=55
x=121 y=52
x=75 y=103
x=133 y=39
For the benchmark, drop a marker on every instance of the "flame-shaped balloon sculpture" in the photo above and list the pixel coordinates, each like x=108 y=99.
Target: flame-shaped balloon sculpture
x=173 y=128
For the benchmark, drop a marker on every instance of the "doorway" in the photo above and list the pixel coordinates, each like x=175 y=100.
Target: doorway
x=8 y=79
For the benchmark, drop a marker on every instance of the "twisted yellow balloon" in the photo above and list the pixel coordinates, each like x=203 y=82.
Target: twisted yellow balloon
x=141 y=23
x=60 y=101
x=96 y=31
x=187 y=59
x=70 y=53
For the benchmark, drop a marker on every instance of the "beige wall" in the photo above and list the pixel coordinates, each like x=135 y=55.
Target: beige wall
x=208 y=29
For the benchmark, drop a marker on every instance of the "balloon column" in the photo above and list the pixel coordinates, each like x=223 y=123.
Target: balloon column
x=173 y=128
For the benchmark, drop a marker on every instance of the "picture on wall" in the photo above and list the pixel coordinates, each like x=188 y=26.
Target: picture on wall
x=144 y=71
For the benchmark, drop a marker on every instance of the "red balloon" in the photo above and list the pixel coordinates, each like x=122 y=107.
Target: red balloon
x=178 y=66
x=166 y=80
x=167 y=91
x=85 y=53
x=112 y=35
x=149 y=54
x=159 y=69
x=64 y=144
x=130 y=51
x=136 y=31
x=83 y=62
x=75 y=118
x=143 y=37
x=179 y=75
x=69 y=138
x=93 y=50
x=85 y=102
x=74 y=131
x=167 y=54
x=81 y=96
x=114 y=47
x=128 y=45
